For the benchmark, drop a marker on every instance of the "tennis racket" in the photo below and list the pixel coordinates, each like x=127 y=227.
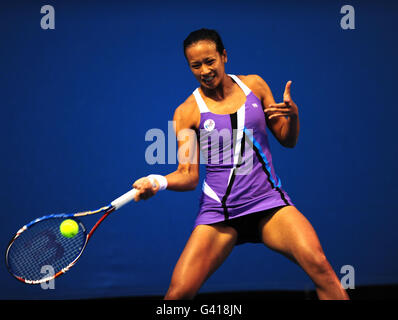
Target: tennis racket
x=40 y=243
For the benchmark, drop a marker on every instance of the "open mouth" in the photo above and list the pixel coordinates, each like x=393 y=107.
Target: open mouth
x=208 y=79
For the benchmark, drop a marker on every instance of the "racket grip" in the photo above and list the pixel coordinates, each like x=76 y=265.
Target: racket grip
x=123 y=199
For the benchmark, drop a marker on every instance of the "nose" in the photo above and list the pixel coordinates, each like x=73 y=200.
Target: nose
x=205 y=70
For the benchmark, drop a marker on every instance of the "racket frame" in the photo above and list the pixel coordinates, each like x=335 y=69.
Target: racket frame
x=107 y=210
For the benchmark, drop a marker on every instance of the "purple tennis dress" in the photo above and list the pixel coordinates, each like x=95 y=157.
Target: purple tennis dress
x=240 y=176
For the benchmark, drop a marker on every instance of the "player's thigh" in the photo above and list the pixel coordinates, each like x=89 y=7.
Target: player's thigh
x=206 y=249
x=290 y=233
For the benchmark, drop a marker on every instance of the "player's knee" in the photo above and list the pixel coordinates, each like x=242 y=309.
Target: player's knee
x=315 y=262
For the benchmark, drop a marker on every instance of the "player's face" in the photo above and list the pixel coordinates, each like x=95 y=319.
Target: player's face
x=206 y=63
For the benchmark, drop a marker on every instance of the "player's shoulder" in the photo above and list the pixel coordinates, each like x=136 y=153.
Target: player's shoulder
x=188 y=106
x=188 y=111
x=256 y=84
x=252 y=80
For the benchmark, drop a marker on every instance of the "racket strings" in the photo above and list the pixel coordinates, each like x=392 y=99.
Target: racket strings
x=43 y=245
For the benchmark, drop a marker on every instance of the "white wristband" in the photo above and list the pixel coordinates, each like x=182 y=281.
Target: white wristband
x=160 y=179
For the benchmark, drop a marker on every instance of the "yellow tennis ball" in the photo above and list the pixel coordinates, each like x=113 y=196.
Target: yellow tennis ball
x=69 y=228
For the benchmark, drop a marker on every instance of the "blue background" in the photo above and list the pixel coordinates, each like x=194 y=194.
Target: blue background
x=77 y=101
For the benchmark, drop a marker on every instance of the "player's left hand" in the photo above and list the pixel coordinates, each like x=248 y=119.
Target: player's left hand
x=286 y=108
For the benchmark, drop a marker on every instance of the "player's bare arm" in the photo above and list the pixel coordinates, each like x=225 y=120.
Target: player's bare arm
x=282 y=118
x=186 y=120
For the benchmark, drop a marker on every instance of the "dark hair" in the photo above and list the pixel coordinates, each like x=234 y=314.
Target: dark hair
x=204 y=34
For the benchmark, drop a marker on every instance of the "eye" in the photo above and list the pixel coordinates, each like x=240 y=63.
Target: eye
x=195 y=66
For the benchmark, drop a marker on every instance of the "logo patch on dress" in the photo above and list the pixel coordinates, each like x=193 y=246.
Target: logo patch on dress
x=209 y=125
x=254 y=105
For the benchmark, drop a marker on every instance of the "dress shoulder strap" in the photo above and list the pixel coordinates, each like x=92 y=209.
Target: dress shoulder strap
x=201 y=103
x=244 y=87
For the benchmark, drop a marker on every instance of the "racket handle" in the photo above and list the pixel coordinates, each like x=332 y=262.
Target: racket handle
x=124 y=199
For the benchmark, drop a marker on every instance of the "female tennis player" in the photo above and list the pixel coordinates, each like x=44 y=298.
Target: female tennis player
x=242 y=199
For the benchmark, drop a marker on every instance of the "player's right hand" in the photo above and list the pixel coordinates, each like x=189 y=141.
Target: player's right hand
x=145 y=188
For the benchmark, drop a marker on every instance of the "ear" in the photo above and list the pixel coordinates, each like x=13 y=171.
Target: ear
x=224 y=56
